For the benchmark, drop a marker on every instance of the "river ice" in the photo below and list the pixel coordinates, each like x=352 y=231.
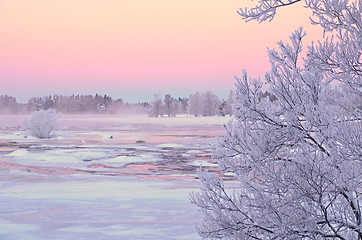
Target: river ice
x=104 y=177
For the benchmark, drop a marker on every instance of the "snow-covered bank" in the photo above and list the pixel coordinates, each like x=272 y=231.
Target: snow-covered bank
x=97 y=208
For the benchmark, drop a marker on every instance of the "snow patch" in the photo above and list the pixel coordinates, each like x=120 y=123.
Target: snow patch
x=7 y=227
x=194 y=151
x=123 y=160
x=18 y=153
x=170 y=145
x=203 y=163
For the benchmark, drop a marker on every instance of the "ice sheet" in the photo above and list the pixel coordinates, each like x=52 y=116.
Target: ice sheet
x=83 y=184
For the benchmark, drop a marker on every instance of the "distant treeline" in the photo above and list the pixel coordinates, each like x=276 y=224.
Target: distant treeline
x=8 y=105
x=75 y=104
x=204 y=104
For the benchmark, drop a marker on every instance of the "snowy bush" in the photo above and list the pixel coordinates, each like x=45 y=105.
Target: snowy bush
x=42 y=124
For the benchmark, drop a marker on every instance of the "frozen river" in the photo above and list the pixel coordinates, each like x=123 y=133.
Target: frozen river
x=104 y=177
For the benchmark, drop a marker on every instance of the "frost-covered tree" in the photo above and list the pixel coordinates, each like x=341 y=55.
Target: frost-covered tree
x=170 y=105
x=229 y=103
x=42 y=124
x=222 y=107
x=210 y=104
x=194 y=104
x=182 y=105
x=297 y=161
x=34 y=104
x=226 y=105
x=156 y=107
x=8 y=105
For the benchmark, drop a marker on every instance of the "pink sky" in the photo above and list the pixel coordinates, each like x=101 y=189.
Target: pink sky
x=132 y=49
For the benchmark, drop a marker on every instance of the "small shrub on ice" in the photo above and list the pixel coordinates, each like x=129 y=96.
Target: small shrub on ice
x=42 y=124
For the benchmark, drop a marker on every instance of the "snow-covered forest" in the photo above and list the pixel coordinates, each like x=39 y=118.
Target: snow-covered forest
x=204 y=104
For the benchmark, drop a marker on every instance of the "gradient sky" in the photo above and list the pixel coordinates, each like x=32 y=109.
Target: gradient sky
x=131 y=49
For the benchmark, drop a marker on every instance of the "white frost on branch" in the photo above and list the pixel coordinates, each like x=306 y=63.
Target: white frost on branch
x=297 y=160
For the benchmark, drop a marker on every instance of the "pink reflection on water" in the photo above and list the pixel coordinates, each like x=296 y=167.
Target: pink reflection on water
x=41 y=170
x=79 y=131
x=7 y=149
x=146 y=171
